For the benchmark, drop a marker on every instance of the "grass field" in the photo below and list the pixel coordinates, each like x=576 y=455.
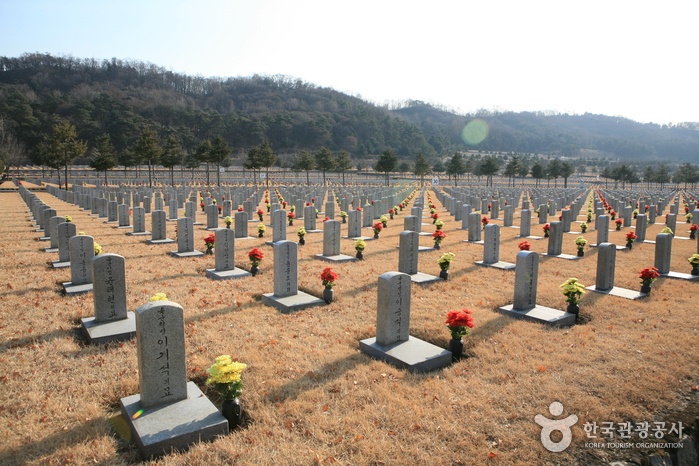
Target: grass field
x=310 y=396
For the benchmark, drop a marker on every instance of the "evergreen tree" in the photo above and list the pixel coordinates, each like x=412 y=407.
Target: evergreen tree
x=455 y=166
x=343 y=162
x=489 y=167
x=386 y=164
x=63 y=147
x=171 y=156
x=538 y=172
x=567 y=170
x=262 y=157
x=103 y=156
x=202 y=155
x=421 y=167
x=306 y=162
x=148 y=148
x=324 y=161
x=218 y=155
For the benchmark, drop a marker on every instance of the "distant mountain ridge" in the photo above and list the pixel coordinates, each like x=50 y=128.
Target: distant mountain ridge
x=122 y=97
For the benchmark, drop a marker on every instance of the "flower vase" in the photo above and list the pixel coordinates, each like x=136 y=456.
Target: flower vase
x=573 y=309
x=444 y=274
x=385 y=225
x=437 y=246
x=581 y=253
x=360 y=255
x=434 y=220
x=695 y=271
x=546 y=234
x=209 y=251
x=328 y=295
x=344 y=220
x=302 y=240
x=645 y=289
x=376 y=236
x=618 y=227
x=233 y=412
x=456 y=346
x=228 y=225
x=254 y=270
x=291 y=224
x=260 y=235
x=391 y=216
x=692 y=235
x=629 y=244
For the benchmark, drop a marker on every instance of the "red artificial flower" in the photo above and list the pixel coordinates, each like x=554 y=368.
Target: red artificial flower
x=326 y=219
x=284 y=203
x=439 y=234
x=240 y=209
x=484 y=220
x=256 y=254
x=631 y=236
x=202 y=204
x=546 y=227
x=460 y=318
x=291 y=215
x=259 y=212
x=694 y=227
x=618 y=221
x=435 y=215
x=378 y=226
x=313 y=199
x=391 y=211
x=220 y=208
x=328 y=277
x=359 y=209
x=524 y=246
x=308 y=203
x=649 y=272
x=210 y=240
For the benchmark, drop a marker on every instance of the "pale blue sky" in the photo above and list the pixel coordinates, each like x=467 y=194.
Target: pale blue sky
x=635 y=59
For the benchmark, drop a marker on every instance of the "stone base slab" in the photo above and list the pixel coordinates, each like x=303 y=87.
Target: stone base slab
x=563 y=256
x=69 y=288
x=423 y=278
x=48 y=238
x=680 y=276
x=619 y=292
x=139 y=233
x=226 y=274
x=184 y=255
x=355 y=238
x=122 y=227
x=160 y=241
x=414 y=354
x=60 y=265
x=293 y=303
x=174 y=426
x=336 y=258
x=540 y=314
x=50 y=249
x=103 y=332
x=474 y=242
x=498 y=265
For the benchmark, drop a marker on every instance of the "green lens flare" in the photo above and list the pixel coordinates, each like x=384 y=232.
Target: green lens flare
x=475 y=132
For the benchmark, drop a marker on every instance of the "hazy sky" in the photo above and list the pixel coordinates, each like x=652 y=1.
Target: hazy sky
x=635 y=59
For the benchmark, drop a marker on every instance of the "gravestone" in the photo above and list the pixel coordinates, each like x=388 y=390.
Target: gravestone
x=663 y=253
x=602 y=227
x=278 y=226
x=525 y=224
x=172 y=206
x=224 y=262
x=543 y=214
x=82 y=250
x=47 y=214
x=641 y=225
x=354 y=225
x=112 y=321
x=331 y=243
x=112 y=212
x=604 y=280
x=185 y=239
x=287 y=297
x=212 y=217
x=393 y=342
x=190 y=211
x=465 y=213
x=159 y=228
x=474 y=228
x=555 y=244
x=139 y=222
x=53 y=233
x=407 y=258
x=65 y=232
x=524 y=305
x=509 y=216
x=309 y=219
x=240 y=224
x=168 y=413
x=491 y=249
x=672 y=223
x=124 y=219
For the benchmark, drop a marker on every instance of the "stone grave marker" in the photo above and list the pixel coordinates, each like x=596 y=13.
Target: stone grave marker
x=474 y=228
x=53 y=233
x=139 y=222
x=287 y=297
x=407 y=258
x=65 y=232
x=224 y=250
x=331 y=243
x=604 y=280
x=173 y=413
x=112 y=321
x=82 y=250
x=159 y=227
x=524 y=305
x=393 y=342
x=491 y=249
x=124 y=218
x=663 y=255
x=240 y=225
x=212 y=217
x=185 y=239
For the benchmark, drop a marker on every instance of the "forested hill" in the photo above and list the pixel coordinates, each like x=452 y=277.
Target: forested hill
x=122 y=98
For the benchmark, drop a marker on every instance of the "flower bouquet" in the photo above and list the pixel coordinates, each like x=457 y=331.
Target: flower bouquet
x=444 y=263
x=439 y=224
x=547 y=229
x=378 y=226
x=458 y=323
x=255 y=256
x=484 y=221
x=384 y=221
x=343 y=216
x=438 y=236
x=391 y=212
x=618 y=223
x=228 y=220
x=225 y=376
x=359 y=246
x=524 y=246
x=301 y=232
x=291 y=216
x=580 y=242
x=573 y=290
x=260 y=213
x=694 y=262
x=647 y=275
x=328 y=277
x=210 y=241
x=630 y=238
x=693 y=231
x=583 y=227
x=261 y=228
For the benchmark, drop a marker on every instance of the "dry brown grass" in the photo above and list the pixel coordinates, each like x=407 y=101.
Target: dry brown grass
x=310 y=396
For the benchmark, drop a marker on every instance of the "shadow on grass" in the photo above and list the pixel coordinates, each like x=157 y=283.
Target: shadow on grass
x=32 y=451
